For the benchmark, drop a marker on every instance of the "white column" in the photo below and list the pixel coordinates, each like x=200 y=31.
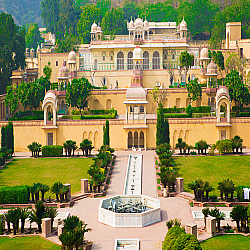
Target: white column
x=145 y=114
x=54 y=116
x=45 y=116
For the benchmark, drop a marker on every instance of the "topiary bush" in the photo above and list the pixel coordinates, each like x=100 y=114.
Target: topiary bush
x=52 y=151
x=202 y=109
x=14 y=195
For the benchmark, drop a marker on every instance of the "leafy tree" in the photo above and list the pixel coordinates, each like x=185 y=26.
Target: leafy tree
x=234 y=62
x=194 y=90
x=201 y=145
x=47 y=71
x=224 y=146
x=103 y=5
x=11 y=98
x=90 y=13
x=50 y=14
x=106 y=138
x=30 y=95
x=78 y=93
x=186 y=61
x=130 y=10
x=238 y=91
x=159 y=96
x=236 y=143
x=66 y=43
x=199 y=15
x=33 y=37
x=12 y=49
x=113 y=23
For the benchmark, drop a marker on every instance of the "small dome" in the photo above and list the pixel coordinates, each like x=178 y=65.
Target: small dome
x=137 y=53
x=212 y=69
x=145 y=23
x=63 y=71
x=204 y=53
x=139 y=22
x=94 y=27
x=72 y=56
x=136 y=94
x=183 y=25
x=131 y=24
x=99 y=29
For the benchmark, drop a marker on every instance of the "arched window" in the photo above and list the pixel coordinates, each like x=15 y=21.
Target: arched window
x=145 y=60
x=165 y=56
x=130 y=139
x=130 y=60
x=173 y=56
x=141 y=109
x=141 y=139
x=136 y=139
x=108 y=104
x=96 y=104
x=178 y=103
x=120 y=61
x=131 y=109
x=156 y=60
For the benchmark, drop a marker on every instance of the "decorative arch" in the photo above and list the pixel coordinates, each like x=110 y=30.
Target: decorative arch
x=96 y=140
x=186 y=138
x=120 y=61
x=181 y=134
x=108 y=104
x=178 y=102
x=130 y=139
x=85 y=135
x=187 y=101
x=141 y=144
x=96 y=104
x=145 y=60
x=136 y=139
x=91 y=136
x=50 y=101
x=223 y=98
x=175 y=137
x=156 y=60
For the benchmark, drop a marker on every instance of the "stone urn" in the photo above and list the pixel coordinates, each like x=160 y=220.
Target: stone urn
x=165 y=192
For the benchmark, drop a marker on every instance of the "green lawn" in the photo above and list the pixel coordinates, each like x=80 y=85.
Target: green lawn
x=46 y=171
x=214 y=169
x=27 y=243
x=229 y=242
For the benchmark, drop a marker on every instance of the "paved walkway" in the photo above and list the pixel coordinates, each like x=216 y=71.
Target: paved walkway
x=151 y=236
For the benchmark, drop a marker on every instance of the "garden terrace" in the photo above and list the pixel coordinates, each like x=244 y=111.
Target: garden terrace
x=46 y=171
x=214 y=169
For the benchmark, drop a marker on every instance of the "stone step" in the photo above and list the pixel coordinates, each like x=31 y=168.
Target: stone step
x=79 y=197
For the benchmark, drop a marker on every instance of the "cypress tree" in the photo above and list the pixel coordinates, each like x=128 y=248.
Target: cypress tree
x=162 y=132
x=3 y=137
x=166 y=131
x=106 y=133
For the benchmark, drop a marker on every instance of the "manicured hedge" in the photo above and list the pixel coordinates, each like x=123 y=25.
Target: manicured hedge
x=202 y=109
x=176 y=115
x=97 y=114
x=241 y=109
x=2 y=158
x=27 y=115
x=106 y=116
x=199 y=115
x=173 y=110
x=14 y=195
x=52 y=151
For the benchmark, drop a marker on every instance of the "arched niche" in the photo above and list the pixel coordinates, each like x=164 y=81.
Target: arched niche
x=50 y=102
x=96 y=140
x=108 y=104
x=223 y=99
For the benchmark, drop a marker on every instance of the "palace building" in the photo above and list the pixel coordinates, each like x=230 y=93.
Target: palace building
x=127 y=67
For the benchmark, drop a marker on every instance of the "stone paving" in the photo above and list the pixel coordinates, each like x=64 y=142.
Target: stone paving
x=151 y=236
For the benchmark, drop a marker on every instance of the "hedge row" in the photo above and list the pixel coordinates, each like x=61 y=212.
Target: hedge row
x=173 y=110
x=202 y=109
x=241 y=114
x=199 y=115
x=52 y=151
x=106 y=116
x=176 y=115
x=14 y=195
x=2 y=158
x=241 y=109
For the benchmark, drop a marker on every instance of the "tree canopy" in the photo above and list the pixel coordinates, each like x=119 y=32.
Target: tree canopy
x=33 y=37
x=12 y=49
x=78 y=93
x=194 y=90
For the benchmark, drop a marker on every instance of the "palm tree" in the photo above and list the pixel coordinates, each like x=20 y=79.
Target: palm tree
x=55 y=189
x=32 y=191
x=200 y=189
x=51 y=213
x=205 y=212
x=2 y=223
x=227 y=187
x=35 y=148
x=44 y=188
x=7 y=219
x=236 y=143
x=68 y=240
x=194 y=187
x=236 y=215
x=208 y=188
x=14 y=217
x=23 y=216
x=37 y=188
x=179 y=145
x=86 y=147
x=69 y=146
x=37 y=214
x=221 y=188
x=218 y=216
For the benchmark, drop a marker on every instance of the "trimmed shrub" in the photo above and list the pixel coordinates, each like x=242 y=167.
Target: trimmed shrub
x=202 y=109
x=14 y=195
x=173 y=110
x=2 y=158
x=200 y=115
x=52 y=151
x=176 y=115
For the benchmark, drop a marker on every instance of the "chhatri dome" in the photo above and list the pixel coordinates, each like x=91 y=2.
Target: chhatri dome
x=212 y=69
x=99 y=29
x=138 y=22
x=131 y=24
x=204 y=54
x=183 y=25
x=145 y=23
x=94 y=27
x=72 y=56
x=137 y=53
x=63 y=71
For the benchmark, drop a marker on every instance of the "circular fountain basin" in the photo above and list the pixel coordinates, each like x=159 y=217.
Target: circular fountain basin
x=129 y=211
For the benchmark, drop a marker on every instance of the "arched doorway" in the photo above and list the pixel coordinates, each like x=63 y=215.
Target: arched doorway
x=145 y=60
x=91 y=136
x=96 y=140
x=85 y=135
x=120 y=61
x=178 y=103
x=141 y=142
x=136 y=141
x=130 y=139
x=96 y=104
x=108 y=104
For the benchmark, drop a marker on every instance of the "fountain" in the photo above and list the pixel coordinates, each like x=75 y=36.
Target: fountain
x=132 y=209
